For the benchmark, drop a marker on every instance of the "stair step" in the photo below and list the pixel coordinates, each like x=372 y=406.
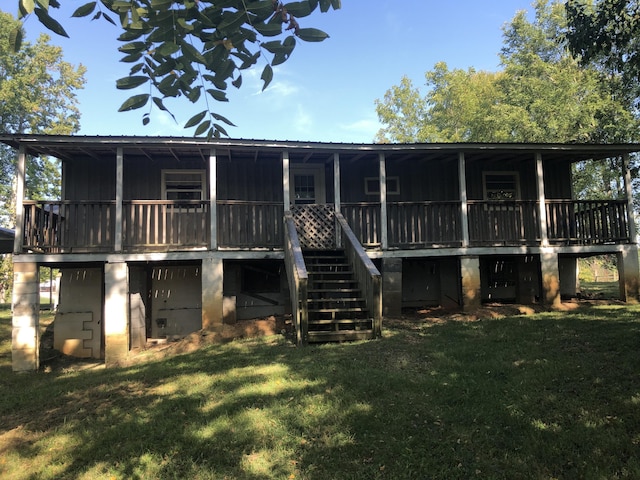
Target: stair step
x=338 y=310
x=339 y=336
x=342 y=321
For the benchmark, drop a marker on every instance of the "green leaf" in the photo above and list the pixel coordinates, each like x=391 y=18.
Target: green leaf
x=262 y=9
x=237 y=82
x=161 y=4
x=167 y=49
x=222 y=119
x=218 y=95
x=232 y=21
x=15 y=39
x=267 y=76
x=268 y=29
x=84 y=10
x=191 y=53
x=158 y=102
x=27 y=6
x=336 y=4
x=137 y=101
x=145 y=119
x=298 y=9
x=220 y=128
x=49 y=22
x=133 y=47
x=202 y=127
x=196 y=119
x=126 y=83
x=311 y=35
x=43 y=3
x=325 y=5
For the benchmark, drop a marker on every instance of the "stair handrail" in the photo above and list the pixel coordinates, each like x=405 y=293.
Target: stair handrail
x=297 y=277
x=366 y=273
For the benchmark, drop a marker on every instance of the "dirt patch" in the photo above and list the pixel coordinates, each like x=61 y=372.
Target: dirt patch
x=52 y=360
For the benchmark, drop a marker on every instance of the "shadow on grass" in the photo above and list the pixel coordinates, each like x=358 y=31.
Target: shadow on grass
x=551 y=395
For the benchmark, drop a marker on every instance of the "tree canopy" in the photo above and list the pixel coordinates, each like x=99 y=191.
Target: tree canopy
x=194 y=48
x=37 y=95
x=542 y=94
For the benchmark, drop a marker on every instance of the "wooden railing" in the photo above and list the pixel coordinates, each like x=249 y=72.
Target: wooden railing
x=250 y=224
x=165 y=224
x=62 y=226
x=364 y=219
x=587 y=222
x=298 y=280
x=366 y=273
x=89 y=226
x=424 y=224
x=505 y=222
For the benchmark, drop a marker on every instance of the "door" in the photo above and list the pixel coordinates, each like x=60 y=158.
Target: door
x=307 y=185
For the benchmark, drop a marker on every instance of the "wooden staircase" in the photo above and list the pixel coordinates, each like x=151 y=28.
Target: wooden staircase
x=336 y=306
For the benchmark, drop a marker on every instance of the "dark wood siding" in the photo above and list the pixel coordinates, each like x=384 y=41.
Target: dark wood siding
x=90 y=179
x=251 y=180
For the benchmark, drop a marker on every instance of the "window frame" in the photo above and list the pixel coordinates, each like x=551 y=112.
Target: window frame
x=203 y=179
x=391 y=188
x=516 y=180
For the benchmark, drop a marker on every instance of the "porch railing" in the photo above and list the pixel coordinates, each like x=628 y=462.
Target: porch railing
x=63 y=226
x=424 y=224
x=250 y=224
x=505 y=222
x=368 y=276
x=364 y=220
x=165 y=224
x=297 y=277
x=587 y=222
x=89 y=226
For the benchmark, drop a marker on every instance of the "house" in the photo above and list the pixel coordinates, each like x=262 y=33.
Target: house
x=160 y=237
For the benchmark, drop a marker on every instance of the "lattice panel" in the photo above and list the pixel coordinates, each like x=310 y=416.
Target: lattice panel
x=315 y=225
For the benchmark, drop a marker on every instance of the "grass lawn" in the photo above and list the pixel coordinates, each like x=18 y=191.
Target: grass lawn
x=549 y=395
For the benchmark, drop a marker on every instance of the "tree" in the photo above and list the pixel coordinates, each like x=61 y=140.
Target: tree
x=542 y=95
x=194 y=48
x=37 y=95
x=607 y=32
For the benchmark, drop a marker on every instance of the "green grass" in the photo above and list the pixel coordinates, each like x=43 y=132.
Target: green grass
x=551 y=395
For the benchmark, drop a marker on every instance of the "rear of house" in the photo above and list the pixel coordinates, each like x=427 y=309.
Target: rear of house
x=161 y=237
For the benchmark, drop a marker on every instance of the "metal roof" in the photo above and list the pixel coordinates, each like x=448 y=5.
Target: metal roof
x=71 y=146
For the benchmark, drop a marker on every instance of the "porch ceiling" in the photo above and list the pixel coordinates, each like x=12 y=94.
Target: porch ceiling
x=67 y=147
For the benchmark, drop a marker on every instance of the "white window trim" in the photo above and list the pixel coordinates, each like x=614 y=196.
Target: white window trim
x=203 y=177
x=514 y=174
x=391 y=181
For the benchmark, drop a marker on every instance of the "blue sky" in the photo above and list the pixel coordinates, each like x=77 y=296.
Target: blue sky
x=325 y=91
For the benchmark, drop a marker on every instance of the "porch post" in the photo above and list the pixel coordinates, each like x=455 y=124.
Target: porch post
x=285 y=181
x=212 y=300
x=116 y=314
x=391 y=287
x=542 y=208
x=25 y=335
x=20 y=179
x=384 y=240
x=213 y=200
x=464 y=207
x=470 y=275
x=336 y=194
x=336 y=181
x=119 y=190
x=633 y=236
x=550 y=277
x=628 y=277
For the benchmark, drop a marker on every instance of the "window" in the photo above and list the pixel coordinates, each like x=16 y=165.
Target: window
x=372 y=186
x=304 y=186
x=183 y=184
x=501 y=185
